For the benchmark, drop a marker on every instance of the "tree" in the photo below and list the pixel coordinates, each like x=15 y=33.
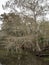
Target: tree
x=44 y=28
x=33 y=6
x=17 y=32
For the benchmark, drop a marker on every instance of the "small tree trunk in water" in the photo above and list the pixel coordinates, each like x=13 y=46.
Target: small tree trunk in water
x=37 y=46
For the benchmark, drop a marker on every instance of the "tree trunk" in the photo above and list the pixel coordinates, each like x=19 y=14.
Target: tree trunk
x=37 y=48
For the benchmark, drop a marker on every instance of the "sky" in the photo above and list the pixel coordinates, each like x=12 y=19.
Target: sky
x=2 y=11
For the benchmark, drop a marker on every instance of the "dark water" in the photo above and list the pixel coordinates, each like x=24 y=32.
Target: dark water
x=29 y=59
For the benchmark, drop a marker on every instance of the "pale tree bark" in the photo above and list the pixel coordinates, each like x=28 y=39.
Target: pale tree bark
x=37 y=47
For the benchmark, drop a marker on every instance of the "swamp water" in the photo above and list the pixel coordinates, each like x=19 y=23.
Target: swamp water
x=24 y=59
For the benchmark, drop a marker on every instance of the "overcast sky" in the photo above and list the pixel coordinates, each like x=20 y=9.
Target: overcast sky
x=3 y=2
x=2 y=11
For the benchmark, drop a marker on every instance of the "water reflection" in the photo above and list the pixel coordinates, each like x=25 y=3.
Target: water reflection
x=0 y=64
